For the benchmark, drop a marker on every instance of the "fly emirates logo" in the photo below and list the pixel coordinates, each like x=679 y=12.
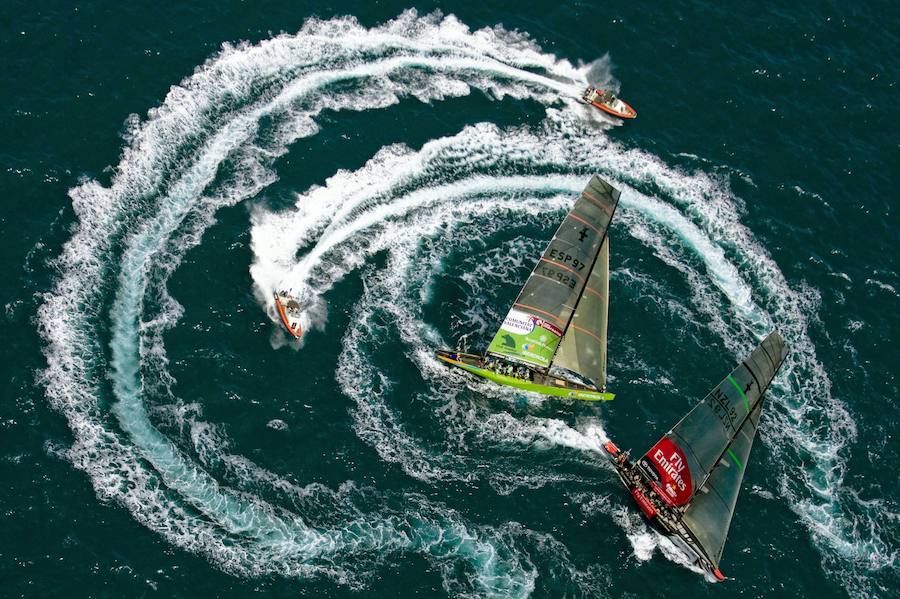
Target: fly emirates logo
x=673 y=467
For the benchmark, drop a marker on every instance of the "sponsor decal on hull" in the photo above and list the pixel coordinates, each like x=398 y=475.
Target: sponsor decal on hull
x=643 y=502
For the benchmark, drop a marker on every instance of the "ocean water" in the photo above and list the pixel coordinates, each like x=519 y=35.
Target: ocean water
x=166 y=168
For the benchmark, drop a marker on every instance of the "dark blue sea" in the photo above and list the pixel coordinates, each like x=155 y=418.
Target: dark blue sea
x=166 y=167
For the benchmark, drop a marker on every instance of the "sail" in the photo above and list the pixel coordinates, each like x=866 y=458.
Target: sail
x=538 y=319
x=708 y=517
x=700 y=462
x=583 y=346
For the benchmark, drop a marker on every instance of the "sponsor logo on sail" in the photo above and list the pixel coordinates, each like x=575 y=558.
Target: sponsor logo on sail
x=522 y=323
x=671 y=469
x=547 y=326
x=528 y=337
x=582 y=234
x=519 y=323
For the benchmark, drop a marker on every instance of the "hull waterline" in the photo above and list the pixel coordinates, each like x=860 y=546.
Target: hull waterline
x=628 y=113
x=525 y=385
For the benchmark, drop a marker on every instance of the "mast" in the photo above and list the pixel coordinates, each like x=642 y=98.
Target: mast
x=608 y=190
x=543 y=311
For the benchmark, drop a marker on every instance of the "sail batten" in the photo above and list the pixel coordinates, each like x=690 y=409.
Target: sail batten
x=550 y=301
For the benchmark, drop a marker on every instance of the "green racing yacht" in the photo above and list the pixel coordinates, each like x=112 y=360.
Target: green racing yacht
x=553 y=340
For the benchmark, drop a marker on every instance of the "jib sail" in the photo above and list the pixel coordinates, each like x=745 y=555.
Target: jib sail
x=708 y=517
x=546 y=307
x=583 y=346
x=700 y=462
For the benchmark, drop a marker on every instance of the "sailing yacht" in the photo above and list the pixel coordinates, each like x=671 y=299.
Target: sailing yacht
x=687 y=483
x=553 y=340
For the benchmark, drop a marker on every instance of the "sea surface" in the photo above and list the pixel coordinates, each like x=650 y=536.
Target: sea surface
x=165 y=167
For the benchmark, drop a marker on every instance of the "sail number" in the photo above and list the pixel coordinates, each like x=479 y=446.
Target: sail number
x=718 y=403
x=552 y=273
x=566 y=258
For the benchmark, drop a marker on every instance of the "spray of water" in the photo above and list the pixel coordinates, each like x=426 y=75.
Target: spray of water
x=103 y=320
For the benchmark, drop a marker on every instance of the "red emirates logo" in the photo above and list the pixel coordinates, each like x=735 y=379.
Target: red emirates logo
x=674 y=474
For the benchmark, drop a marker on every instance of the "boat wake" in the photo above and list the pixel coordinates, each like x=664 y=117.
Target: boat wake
x=423 y=229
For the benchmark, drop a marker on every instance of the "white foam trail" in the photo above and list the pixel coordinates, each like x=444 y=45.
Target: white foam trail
x=156 y=208
x=701 y=222
x=131 y=236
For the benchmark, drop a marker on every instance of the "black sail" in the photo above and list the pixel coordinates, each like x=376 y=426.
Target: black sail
x=700 y=463
x=709 y=514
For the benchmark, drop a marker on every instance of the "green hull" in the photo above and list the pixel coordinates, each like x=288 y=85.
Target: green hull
x=511 y=381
